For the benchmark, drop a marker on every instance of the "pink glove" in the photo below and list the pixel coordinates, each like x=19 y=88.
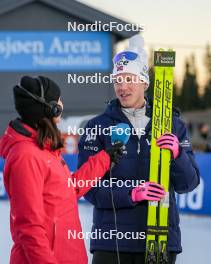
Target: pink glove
x=149 y=191
x=169 y=141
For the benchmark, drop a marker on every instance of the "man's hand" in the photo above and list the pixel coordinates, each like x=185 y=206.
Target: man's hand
x=169 y=141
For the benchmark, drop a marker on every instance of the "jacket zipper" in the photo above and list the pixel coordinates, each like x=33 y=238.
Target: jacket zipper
x=139 y=147
x=54 y=233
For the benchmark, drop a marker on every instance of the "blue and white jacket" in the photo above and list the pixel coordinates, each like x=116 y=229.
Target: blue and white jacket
x=132 y=217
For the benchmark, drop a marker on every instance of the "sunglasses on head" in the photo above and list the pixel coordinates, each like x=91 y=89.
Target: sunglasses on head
x=129 y=55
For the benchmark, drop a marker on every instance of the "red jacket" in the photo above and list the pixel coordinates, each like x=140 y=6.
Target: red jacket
x=43 y=207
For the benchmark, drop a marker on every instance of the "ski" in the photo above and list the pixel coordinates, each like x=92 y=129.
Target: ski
x=157 y=220
x=151 y=241
x=165 y=163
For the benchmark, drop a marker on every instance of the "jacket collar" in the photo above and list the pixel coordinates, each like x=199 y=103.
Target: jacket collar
x=113 y=110
x=22 y=128
x=29 y=133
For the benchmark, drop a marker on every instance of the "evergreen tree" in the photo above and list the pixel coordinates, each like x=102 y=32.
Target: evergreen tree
x=189 y=97
x=151 y=75
x=207 y=95
x=207 y=92
x=176 y=96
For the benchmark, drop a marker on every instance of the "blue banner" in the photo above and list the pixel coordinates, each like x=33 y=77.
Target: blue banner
x=196 y=202
x=55 y=51
x=3 y=194
x=199 y=200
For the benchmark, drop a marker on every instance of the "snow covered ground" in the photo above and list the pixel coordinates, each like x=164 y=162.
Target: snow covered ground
x=196 y=235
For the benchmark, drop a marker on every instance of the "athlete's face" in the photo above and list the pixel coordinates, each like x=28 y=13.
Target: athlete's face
x=129 y=90
x=58 y=118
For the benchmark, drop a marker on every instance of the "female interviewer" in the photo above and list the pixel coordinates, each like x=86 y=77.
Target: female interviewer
x=43 y=205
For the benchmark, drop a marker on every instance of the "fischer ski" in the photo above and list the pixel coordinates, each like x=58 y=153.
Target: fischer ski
x=157 y=221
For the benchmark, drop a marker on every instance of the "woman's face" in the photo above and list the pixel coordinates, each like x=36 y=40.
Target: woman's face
x=58 y=118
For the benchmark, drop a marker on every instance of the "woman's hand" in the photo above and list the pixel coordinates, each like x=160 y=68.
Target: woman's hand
x=115 y=152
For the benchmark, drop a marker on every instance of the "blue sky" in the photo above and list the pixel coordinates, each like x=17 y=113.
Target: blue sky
x=185 y=24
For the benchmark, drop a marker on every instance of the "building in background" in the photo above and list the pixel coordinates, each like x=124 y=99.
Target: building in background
x=34 y=39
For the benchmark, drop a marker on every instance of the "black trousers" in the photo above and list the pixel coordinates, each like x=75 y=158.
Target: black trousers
x=107 y=257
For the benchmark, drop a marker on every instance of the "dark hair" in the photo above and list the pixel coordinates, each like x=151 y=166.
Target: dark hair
x=47 y=130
